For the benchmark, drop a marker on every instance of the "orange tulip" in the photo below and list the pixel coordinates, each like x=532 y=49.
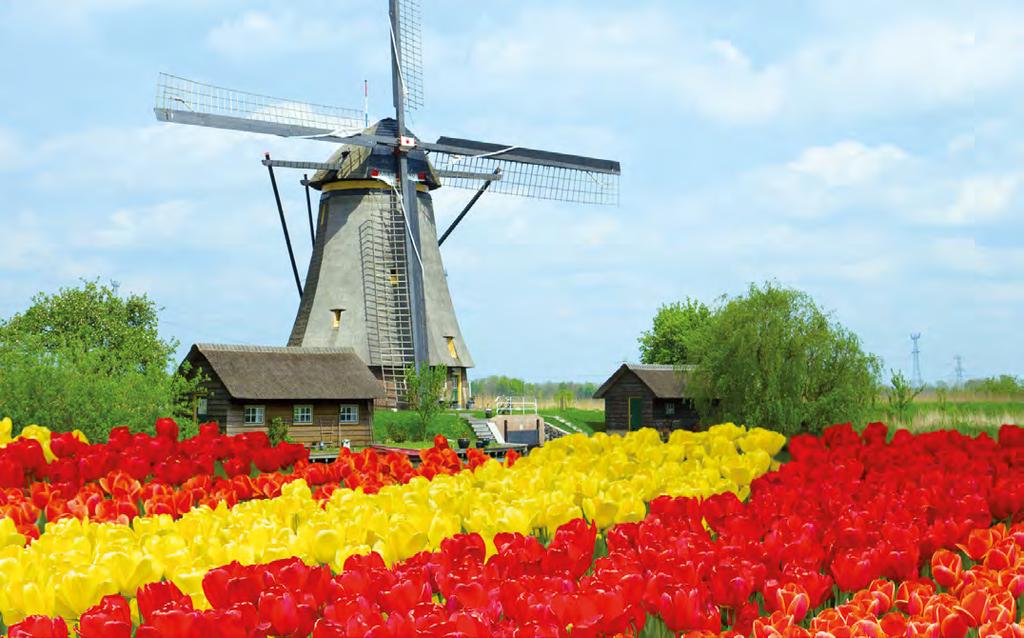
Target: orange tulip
x=979 y=541
x=946 y=568
x=911 y=596
x=793 y=600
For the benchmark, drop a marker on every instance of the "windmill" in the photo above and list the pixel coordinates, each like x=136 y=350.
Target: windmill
x=375 y=280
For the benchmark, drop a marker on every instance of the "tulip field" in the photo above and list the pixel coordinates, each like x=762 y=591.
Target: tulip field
x=871 y=533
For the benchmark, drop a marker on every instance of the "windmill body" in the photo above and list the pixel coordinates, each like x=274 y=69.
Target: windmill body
x=376 y=281
x=356 y=289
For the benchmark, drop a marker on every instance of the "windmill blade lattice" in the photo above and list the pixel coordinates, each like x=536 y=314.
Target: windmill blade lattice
x=185 y=101
x=526 y=172
x=411 y=60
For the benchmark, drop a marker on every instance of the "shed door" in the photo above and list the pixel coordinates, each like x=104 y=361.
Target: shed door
x=636 y=413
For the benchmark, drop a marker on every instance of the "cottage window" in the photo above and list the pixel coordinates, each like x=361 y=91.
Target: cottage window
x=348 y=414
x=254 y=414
x=202 y=406
x=336 y=317
x=302 y=414
x=451 y=347
x=670 y=408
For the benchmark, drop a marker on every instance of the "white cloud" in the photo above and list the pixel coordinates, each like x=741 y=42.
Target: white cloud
x=160 y=156
x=131 y=227
x=822 y=180
x=903 y=64
x=721 y=83
x=981 y=199
x=962 y=254
x=258 y=34
x=847 y=163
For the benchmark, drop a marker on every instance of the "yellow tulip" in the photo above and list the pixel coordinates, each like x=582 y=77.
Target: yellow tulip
x=9 y=535
x=42 y=435
x=6 y=427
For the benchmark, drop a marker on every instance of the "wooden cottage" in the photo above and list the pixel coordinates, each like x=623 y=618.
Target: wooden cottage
x=654 y=396
x=322 y=394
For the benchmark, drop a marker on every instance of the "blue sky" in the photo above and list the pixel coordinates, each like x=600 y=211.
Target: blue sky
x=869 y=153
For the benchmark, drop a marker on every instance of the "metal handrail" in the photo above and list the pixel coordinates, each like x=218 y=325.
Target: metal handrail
x=515 y=405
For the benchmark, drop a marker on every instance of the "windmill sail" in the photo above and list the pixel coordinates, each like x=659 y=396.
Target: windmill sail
x=410 y=43
x=185 y=101
x=526 y=172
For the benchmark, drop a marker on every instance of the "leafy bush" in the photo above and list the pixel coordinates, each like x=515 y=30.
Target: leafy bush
x=277 y=431
x=901 y=397
x=398 y=429
x=403 y=426
x=425 y=387
x=90 y=359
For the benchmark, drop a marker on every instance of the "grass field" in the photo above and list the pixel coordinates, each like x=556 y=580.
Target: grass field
x=968 y=415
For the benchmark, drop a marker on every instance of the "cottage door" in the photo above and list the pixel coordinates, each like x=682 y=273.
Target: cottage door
x=636 y=413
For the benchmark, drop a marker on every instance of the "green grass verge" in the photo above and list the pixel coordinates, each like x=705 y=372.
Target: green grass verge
x=589 y=421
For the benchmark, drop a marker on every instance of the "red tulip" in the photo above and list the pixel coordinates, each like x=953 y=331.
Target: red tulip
x=167 y=428
x=686 y=609
x=156 y=596
x=112 y=618
x=39 y=627
x=286 y=613
x=853 y=571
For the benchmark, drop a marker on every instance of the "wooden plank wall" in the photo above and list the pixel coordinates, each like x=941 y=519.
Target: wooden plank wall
x=616 y=407
x=217 y=398
x=616 y=401
x=324 y=412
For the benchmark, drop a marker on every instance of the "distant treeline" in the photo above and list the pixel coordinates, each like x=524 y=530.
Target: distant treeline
x=498 y=385
x=1004 y=385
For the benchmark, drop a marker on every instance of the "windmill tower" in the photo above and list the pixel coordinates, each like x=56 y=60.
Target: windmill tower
x=376 y=281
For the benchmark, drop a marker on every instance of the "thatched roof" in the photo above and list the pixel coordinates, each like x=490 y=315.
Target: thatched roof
x=665 y=382
x=289 y=373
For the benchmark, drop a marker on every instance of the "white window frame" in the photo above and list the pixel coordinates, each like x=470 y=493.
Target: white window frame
x=295 y=413
x=202 y=405
x=262 y=410
x=346 y=407
x=670 y=408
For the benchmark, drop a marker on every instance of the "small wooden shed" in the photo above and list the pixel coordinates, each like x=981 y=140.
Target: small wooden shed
x=642 y=395
x=322 y=394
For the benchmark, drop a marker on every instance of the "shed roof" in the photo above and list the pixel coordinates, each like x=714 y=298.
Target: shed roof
x=290 y=373
x=664 y=381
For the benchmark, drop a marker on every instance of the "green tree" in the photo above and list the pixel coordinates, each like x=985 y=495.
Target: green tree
x=424 y=389
x=773 y=358
x=565 y=397
x=1004 y=385
x=901 y=397
x=88 y=358
x=666 y=341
